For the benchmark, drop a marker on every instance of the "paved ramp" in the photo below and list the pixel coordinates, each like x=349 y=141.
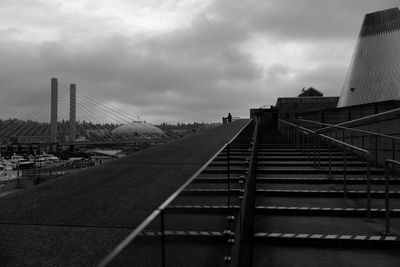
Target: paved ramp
x=76 y=220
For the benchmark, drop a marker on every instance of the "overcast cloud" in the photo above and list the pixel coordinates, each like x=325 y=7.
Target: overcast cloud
x=179 y=60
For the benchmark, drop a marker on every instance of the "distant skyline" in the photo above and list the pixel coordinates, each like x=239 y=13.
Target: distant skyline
x=179 y=60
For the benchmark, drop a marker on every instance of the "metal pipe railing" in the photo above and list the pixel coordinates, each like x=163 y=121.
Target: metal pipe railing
x=369 y=133
x=228 y=170
x=344 y=173
x=346 y=128
x=160 y=211
x=387 y=194
x=345 y=146
x=243 y=248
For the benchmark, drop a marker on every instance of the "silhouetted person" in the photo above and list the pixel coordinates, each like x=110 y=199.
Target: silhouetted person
x=229 y=118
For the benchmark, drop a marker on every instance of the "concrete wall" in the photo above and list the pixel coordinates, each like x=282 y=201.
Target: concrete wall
x=340 y=115
x=288 y=107
x=268 y=116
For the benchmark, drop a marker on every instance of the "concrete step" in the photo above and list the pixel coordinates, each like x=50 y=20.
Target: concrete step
x=206 y=200
x=311 y=170
x=235 y=154
x=303 y=158
x=324 y=163
x=217 y=180
x=324 y=180
x=205 y=209
x=212 y=192
x=317 y=256
x=291 y=192
x=232 y=185
x=289 y=150
x=235 y=170
x=325 y=193
x=331 y=240
x=319 y=175
x=326 y=202
x=330 y=187
x=232 y=158
x=322 y=225
x=236 y=151
x=296 y=153
x=196 y=221
x=281 y=146
x=224 y=164
x=323 y=211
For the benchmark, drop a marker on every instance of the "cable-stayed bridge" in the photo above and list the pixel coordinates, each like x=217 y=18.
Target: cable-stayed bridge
x=60 y=117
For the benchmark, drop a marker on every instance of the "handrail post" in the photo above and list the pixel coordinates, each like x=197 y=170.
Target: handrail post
x=330 y=160
x=287 y=132
x=387 y=201
x=228 y=177
x=376 y=150
x=297 y=135
x=319 y=151
x=315 y=150
x=368 y=187
x=293 y=135
x=344 y=172
x=362 y=141
x=343 y=135
x=162 y=239
x=351 y=141
x=393 y=157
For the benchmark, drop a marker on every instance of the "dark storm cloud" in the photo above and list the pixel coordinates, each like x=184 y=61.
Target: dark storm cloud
x=305 y=19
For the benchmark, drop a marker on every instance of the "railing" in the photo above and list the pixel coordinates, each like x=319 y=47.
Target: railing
x=242 y=250
x=387 y=196
x=297 y=134
x=353 y=138
x=157 y=217
x=225 y=119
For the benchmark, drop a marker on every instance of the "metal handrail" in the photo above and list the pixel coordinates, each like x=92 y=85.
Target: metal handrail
x=344 y=144
x=118 y=249
x=242 y=250
x=371 y=134
x=387 y=200
x=347 y=128
x=327 y=137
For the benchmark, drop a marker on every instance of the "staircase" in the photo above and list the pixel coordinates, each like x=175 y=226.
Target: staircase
x=262 y=201
x=304 y=218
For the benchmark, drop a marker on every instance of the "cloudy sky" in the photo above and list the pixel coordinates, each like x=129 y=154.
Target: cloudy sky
x=179 y=60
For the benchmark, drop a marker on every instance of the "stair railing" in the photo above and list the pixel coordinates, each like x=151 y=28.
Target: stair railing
x=371 y=135
x=243 y=247
x=291 y=132
x=387 y=194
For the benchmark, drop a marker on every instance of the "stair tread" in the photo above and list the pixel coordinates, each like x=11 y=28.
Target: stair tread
x=327 y=202
x=315 y=256
x=322 y=225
